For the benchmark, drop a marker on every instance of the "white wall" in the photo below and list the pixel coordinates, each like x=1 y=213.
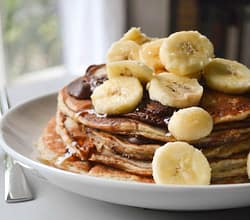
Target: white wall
x=151 y=15
x=88 y=29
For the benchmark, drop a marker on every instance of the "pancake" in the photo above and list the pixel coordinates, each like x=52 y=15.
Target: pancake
x=122 y=147
x=105 y=151
x=225 y=108
x=74 y=136
x=226 y=150
x=112 y=173
x=217 y=138
x=221 y=168
x=110 y=159
x=73 y=132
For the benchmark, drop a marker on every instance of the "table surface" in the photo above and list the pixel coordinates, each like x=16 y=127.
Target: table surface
x=52 y=202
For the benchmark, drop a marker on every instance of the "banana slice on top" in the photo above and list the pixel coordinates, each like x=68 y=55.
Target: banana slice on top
x=149 y=54
x=135 y=34
x=186 y=52
x=123 y=50
x=190 y=124
x=175 y=91
x=117 y=96
x=248 y=165
x=180 y=163
x=129 y=68
x=227 y=76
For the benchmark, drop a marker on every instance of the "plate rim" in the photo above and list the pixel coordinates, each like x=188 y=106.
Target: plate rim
x=31 y=163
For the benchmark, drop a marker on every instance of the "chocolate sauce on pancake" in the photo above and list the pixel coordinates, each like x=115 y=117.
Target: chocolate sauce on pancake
x=152 y=112
x=80 y=89
x=83 y=87
x=96 y=75
x=148 y=111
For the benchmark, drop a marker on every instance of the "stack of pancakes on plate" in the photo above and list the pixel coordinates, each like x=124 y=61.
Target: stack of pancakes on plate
x=122 y=146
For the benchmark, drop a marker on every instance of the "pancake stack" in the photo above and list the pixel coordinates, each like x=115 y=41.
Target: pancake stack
x=161 y=110
x=122 y=146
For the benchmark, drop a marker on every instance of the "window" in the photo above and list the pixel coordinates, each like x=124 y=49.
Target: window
x=30 y=35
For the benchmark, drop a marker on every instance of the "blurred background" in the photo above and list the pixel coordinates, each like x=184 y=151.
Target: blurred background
x=47 y=38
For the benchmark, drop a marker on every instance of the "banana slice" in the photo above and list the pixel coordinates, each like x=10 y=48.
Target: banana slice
x=117 y=96
x=227 y=76
x=130 y=68
x=123 y=50
x=190 y=124
x=175 y=91
x=149 y=54
x=248 y=165
x=186 y=52
x=135 y=34
x=180 y=163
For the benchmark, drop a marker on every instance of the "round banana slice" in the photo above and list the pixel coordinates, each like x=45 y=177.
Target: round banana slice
x=227 y=76
x=136 y=35
x=180 y=163
x=186 y=52
x=190 y=124
x=130 y=68
x=123 y=50
x=248 y=165
x=149 y=54
x=175 y=91
x=117 y=96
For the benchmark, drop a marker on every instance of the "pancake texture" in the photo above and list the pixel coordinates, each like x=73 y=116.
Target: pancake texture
x=52 y=151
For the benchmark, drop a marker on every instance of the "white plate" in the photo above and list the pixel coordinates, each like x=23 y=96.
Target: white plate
x=21 y=127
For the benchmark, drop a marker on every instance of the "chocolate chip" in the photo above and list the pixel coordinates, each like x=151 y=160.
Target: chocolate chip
x=80 y=89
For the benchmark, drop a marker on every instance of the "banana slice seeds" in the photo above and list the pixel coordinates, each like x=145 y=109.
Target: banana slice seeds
x=175 y=91
x=117 y=96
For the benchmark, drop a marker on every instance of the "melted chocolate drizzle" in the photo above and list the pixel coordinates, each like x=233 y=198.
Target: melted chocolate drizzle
x=80 y=89
x=83 y=87
x=152 y=112
x=147 y=111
